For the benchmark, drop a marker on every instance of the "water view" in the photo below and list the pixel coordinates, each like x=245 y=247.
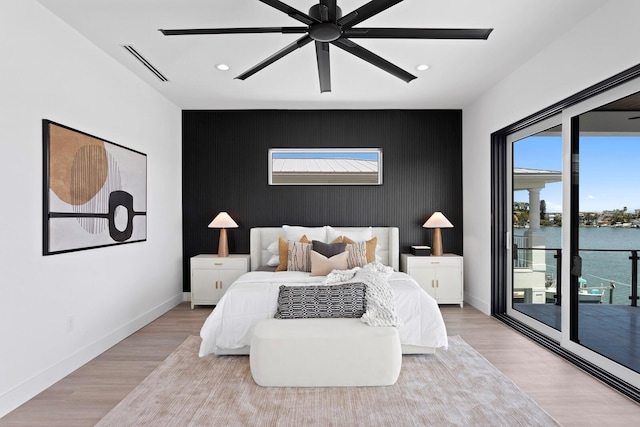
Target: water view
x=599 y=268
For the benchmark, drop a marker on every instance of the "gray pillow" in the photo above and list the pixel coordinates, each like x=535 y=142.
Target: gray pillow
x=321 y=301
x=328 y=249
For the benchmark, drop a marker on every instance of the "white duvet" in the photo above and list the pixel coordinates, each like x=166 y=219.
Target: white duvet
x=254 y=297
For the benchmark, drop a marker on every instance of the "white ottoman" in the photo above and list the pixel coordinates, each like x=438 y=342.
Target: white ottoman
x=324 y=353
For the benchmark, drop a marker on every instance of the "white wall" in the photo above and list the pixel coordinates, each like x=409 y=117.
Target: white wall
x=58 y=312
x=603 y=44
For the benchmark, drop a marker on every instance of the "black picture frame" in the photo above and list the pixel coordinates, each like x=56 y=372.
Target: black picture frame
x=325 y=166
x=94 y=191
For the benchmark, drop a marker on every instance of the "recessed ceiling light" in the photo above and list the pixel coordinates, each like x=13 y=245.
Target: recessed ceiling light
x=422 y=67
x=222 y=67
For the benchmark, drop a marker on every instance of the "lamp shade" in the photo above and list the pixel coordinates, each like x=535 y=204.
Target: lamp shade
x=223 y=220
x=437 y=220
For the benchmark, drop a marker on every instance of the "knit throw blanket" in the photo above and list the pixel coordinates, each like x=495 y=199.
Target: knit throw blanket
x=380 y=307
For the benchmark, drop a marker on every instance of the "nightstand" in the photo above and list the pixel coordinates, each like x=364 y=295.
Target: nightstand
x=211 y=275
x=439 y=276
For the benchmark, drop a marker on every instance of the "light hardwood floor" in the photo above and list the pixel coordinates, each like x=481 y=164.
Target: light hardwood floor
x=572 y=397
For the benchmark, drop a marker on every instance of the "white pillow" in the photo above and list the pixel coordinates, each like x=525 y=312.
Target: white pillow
x=273 y=248
x=295 y=232
x=357 y=236
x=274 y=259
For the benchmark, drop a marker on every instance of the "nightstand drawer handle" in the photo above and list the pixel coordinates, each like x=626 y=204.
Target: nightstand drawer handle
x=218 y=263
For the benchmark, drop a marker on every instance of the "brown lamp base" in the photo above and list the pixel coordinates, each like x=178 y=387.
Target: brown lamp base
x=223 y=245
x=436 y=246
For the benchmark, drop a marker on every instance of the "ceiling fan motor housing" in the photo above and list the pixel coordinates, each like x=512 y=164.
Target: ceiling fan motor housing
x=316 y=11
x=326 y=31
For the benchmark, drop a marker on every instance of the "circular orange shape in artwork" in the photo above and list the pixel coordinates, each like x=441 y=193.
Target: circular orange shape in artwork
x=72 y=156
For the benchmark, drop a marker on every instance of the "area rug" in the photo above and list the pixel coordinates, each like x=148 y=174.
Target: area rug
x=457 y=387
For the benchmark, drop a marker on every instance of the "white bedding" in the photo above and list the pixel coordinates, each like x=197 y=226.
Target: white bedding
x=254 y=297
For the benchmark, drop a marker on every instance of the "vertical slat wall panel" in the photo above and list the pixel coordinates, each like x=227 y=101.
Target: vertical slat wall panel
x=225 y=169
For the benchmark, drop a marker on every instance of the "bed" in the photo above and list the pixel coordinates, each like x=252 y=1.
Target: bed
x=254 y=295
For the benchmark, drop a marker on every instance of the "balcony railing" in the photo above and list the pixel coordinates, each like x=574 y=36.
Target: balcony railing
x=522 y=257
x=608 y=291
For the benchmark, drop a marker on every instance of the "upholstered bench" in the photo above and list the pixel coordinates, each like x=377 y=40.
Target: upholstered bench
x=324 y=353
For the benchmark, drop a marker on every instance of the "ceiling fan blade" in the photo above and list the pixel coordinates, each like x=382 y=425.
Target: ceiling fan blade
x=196 y=31
x=324 y=68
x=332 y=6
x=374 y=59
x=366 y=11
x=419 y=33
x=279 y=54
x=291 y=11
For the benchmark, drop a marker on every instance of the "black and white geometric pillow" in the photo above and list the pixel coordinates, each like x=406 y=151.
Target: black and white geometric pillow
x=319 y=301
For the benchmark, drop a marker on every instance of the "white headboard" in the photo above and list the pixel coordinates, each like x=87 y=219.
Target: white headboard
x=388 y=242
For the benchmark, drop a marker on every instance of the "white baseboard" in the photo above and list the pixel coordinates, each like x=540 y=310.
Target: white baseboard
x=186 y=296
x=41 y=381
x=477 y=303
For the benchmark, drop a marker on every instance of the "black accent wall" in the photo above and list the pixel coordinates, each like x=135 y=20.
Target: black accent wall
x=225 y=168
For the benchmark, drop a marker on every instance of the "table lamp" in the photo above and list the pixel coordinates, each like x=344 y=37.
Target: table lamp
x=437 y=221
x=223 y=221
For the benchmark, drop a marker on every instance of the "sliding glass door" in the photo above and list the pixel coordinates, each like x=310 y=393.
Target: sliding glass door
x=606 y=231
x=566 y=230
x=535 y=224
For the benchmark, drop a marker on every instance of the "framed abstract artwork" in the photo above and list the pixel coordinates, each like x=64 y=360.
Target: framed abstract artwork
x=325 y=166
x=95 y=191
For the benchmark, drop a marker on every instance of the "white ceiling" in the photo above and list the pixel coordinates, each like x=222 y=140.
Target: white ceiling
x=461 y=70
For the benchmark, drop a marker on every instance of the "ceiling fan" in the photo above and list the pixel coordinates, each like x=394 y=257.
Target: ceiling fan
x=325 y=25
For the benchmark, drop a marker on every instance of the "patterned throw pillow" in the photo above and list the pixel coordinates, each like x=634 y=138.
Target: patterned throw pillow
x=371 y=245
x=299 y=256
x=304 y=302
x=357 y=254
x=283 y=252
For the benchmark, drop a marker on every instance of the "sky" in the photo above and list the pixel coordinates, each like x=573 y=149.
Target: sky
x=360 y=155
x=609 y=170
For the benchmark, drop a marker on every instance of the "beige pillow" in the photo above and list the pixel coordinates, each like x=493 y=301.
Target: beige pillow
x=321 y=265
x=283 y=252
